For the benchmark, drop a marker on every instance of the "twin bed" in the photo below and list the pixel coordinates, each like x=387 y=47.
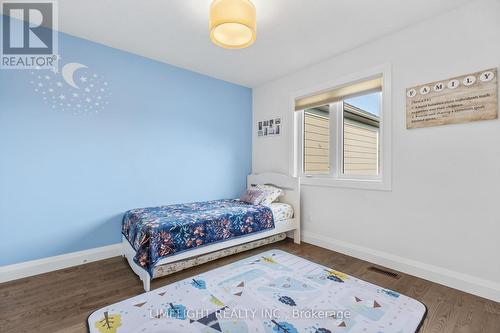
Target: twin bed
x=158 y=241
x=272 y=291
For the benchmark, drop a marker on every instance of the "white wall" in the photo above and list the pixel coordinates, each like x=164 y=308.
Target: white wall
x=442 y=218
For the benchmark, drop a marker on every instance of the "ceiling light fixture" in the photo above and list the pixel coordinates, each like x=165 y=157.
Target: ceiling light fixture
x=232 y=23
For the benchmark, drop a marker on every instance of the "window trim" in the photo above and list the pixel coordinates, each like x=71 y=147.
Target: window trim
x=336 y=178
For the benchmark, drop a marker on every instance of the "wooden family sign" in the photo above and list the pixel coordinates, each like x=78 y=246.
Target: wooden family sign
x=460 y=99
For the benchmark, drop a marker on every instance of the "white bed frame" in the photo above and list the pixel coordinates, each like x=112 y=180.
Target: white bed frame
x=290 y=185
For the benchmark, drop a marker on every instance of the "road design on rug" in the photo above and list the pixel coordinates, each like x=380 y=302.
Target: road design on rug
x=272 y=292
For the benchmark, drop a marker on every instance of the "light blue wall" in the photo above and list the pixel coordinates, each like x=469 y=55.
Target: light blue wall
x=168 y=135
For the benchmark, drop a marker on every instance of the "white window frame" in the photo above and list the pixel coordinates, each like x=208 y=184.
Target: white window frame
x=336 y=178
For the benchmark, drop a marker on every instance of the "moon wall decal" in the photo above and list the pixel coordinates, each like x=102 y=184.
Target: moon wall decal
x=69 y=70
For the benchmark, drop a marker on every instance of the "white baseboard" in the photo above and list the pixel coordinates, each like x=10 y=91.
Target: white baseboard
x=468 y=283
x=39 y=266
x=464 y=282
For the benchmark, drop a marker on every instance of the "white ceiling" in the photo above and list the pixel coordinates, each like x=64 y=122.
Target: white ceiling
x=291 y=34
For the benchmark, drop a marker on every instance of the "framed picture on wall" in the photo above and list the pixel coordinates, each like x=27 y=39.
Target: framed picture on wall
x=270 y=127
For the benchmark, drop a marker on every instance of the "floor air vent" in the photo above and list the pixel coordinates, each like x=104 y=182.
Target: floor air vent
x=384 y=272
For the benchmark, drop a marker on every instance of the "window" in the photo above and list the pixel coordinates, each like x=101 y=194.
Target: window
x=317 y=140
x=361 y=122
x=341 y=135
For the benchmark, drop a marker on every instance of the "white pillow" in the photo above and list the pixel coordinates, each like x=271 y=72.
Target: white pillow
x=272 y=193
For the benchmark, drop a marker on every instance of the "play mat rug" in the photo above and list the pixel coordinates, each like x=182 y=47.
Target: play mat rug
x=272 y=292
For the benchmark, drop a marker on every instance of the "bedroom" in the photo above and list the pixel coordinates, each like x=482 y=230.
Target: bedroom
x=158 y=149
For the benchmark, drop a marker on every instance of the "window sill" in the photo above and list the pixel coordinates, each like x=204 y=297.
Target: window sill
x=362 y=184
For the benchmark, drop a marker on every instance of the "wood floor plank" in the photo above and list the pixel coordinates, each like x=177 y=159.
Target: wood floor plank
x=60 y=301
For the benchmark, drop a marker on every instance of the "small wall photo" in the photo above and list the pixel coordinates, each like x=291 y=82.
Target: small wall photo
x=271 y=127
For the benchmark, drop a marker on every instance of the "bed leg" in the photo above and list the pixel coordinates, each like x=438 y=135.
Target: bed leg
x=296 y=236
x=146 y=282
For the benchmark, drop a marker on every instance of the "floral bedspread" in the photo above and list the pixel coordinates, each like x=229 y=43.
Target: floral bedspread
x=158 y=232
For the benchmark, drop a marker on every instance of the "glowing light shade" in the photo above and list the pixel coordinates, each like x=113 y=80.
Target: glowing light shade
x=232 y=23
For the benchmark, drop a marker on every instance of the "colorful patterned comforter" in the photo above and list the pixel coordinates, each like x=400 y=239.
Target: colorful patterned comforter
x=158 y=232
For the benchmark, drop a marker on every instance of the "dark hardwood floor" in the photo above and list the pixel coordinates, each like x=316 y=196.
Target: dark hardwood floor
x=61 y=301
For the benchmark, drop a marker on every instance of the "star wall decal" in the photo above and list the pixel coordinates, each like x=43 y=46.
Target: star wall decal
x=88 y=95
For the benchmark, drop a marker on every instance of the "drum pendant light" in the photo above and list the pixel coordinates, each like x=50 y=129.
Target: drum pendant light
x=232 y=23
